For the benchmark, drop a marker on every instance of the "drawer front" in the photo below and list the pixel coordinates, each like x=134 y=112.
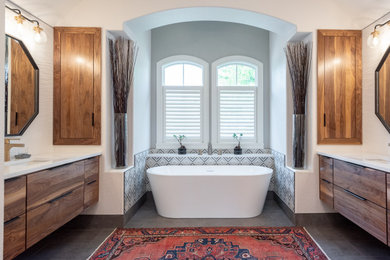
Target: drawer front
x=363 y=213
x=367 y=183
x=14 y=197
x=388 y=227
x=49 y=184
x=388 y=194
x=14 y=237
x=48 y=217
x=326 y=192
x=91 y=193
x=91 y=169
x=326 y=168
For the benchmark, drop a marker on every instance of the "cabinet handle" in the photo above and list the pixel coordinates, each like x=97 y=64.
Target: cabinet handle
x=16 y=118
x=91 y=182
x=324 y=120
x=60 y=197
x=326 y=181
x=356 y=196
x=11 y=220
x=93 y=119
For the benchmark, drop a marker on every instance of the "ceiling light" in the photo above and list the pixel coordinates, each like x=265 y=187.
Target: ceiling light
x=39 y=34
x=375 y=37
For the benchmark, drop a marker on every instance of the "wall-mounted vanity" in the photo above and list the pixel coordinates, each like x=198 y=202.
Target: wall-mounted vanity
x=44 y=194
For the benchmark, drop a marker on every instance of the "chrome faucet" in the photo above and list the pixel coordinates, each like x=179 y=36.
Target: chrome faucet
x=209 y=149
x=7 y=147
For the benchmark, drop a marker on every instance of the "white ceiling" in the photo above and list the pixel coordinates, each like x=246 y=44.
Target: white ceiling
x=51 y=10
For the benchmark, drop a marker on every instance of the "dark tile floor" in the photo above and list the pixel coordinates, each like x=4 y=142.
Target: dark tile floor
x=341 y=240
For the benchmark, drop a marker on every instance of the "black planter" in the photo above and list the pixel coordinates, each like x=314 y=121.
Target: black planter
x=120 y=139
x=182 y=150
x=298 y=140
x=237 y=150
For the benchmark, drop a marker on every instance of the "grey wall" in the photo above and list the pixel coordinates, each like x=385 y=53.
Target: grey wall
x=210 y=41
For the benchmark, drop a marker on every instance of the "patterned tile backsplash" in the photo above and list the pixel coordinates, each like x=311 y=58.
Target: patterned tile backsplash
x=136 y=182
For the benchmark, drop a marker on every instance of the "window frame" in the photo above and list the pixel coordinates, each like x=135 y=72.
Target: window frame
x=162 y=142
x=259 y=102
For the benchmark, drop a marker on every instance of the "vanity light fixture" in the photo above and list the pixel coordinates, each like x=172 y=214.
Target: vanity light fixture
x=39 y=34
x=374 y=38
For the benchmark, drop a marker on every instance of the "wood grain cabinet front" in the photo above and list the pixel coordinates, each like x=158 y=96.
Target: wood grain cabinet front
x=339 y=87
x=45 y=219
x=14 y=197
x=367 y=183
x=91 y=185
x=46 y=185
x=14 y=237
x=77 y=83
x=362 y=212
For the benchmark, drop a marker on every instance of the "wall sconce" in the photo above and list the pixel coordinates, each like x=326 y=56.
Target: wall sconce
x=39 y=34
x=376 y=36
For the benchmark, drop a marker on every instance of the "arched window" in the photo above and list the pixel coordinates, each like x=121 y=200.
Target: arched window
x=182 y=101
x=237 y=101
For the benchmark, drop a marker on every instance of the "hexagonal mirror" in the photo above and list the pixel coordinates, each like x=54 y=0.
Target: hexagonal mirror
x=382 y=90
x=21 y=87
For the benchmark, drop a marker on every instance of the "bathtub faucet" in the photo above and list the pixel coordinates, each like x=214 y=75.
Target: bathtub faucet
x=209 y=149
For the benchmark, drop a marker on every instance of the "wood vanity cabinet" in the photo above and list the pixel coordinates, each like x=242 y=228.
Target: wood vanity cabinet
x=14 y=217
x=91 y=183
x=339 y=87
x=77 y=86
x=39 y=203
x=359 y=194
x=326 y=180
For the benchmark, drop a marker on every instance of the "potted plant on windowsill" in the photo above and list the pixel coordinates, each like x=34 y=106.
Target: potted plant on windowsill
x=182 y=149
x=238 y=149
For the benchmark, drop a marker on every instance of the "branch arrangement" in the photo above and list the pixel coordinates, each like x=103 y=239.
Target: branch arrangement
x=298 y=59
x=123 y=55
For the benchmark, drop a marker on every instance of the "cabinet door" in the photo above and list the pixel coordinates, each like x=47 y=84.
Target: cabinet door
x=77 y=80
x=14 y=197
x=14 y=236
x=339 y=90
x=48 y=217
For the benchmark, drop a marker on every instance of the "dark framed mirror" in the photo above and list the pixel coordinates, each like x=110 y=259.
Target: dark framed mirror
x=21 y=87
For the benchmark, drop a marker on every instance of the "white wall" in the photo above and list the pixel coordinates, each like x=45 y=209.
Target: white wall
x=39 y=135
x=278 y=93
x=210 y=41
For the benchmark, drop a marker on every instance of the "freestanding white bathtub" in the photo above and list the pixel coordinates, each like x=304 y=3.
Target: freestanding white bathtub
x=232 y=191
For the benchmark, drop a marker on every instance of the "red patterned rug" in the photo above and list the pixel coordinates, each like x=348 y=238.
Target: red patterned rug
x=247 y=243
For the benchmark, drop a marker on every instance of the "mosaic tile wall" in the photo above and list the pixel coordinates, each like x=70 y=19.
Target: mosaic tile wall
x=284 y=183
x=136 y=182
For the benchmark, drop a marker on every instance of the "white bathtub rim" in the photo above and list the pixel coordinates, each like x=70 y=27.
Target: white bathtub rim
x=261 y=171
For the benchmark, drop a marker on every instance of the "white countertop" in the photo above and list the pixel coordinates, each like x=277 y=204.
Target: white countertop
x=213 y=155
x=374 y=161
x=41 y=162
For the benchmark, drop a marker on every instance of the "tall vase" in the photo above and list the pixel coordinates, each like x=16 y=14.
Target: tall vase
x=298 y=140
x=120 y=142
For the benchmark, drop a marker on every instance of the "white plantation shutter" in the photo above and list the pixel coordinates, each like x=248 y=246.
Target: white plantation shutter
x=183 y=113
x=237 y=111
x=182 y=102
x=237 y=102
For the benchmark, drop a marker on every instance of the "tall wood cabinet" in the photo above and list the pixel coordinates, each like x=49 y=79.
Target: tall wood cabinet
x=339 y=87
x=77 y=86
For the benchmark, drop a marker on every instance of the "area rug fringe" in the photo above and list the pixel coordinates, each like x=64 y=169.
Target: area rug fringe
x=312 y=238
x=90 y=256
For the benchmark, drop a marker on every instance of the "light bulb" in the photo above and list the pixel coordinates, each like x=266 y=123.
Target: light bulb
x=373 y=39
x=39 y=35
